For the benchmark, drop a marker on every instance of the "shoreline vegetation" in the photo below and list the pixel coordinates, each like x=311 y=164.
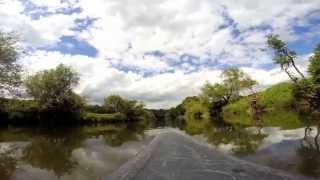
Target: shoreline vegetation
x=52 y=101
x=28 y=113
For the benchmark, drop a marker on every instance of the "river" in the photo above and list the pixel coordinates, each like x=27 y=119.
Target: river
x=96 y=152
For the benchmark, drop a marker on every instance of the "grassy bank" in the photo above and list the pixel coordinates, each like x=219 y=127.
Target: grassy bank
x=103 y=118
x=279 y=105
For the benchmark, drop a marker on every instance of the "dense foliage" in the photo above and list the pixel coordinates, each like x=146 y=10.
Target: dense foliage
x=53 y=90
x=308 y=90
x=218 y=95
x=314 y=67
x=133 y=110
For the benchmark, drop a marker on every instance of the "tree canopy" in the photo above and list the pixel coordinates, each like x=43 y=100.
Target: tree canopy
x=133 y=110
x=307 y=91
x=220 y=94
x=53 y=89
x=116 y=103
x=234 y=80
x=284 y=56
x=314 y=67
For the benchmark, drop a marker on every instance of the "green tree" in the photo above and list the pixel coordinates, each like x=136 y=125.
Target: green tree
x=115 y=103
x=52 y=89
x=174 y=117
x=307 y=91
x=218 y=95
x=284 y=56
x=133 y=110
x=9 y=69
x=314 y=66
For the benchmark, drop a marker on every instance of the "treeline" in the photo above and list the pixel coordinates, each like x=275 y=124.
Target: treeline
x=219 y=101
x=54 y=102
x=53 y=99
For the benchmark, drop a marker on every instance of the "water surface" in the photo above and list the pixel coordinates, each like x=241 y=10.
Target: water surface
x=96 y=152
x=74 y=153
x=295 y=151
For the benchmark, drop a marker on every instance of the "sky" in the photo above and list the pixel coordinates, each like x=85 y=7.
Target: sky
x=159 y=51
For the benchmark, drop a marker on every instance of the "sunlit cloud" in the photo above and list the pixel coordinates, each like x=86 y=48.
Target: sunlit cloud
x=155 y=51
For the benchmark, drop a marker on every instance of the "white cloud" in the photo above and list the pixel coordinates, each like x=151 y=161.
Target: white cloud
x=43 y=32
x=125 y=32
x=189 y=26
x=100 y=79
x=281 y=15
x=150 y=25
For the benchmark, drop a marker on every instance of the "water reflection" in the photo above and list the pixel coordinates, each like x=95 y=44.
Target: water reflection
x=7 y=165
x=296 y=151
x=75 y=153
x=309 y=154
x=52 y=151
x=225 y=136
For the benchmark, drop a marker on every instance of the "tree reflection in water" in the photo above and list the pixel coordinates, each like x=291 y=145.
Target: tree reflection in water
x=52 y=150
x=7 y=164
x=309 y=153
x=241 y=140
x=116 y=135
x=57 y=152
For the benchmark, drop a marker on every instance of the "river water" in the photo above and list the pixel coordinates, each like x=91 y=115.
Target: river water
x=95 y=152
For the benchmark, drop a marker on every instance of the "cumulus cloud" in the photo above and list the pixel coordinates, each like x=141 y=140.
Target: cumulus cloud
x=41 y=32
x=156 y=51
x=193 y=27
x=100 y=79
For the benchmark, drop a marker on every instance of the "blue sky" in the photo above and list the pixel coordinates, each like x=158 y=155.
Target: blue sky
x=159 y=52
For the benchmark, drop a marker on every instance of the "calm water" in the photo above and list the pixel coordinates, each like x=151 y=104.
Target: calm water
x=288 y=150
x=78 y=153
x=95 y=152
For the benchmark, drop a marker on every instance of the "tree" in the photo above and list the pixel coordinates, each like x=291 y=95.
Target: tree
x=284 y=56
x=314 y=66
x=218 y=95
x=52 y=89
x=174 y=117
x=133 y=110
x=9 y=69
x=307 y=91
x=115 y=103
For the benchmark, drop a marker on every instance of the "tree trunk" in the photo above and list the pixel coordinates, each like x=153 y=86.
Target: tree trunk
x=296 y=68
x=294 y=79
